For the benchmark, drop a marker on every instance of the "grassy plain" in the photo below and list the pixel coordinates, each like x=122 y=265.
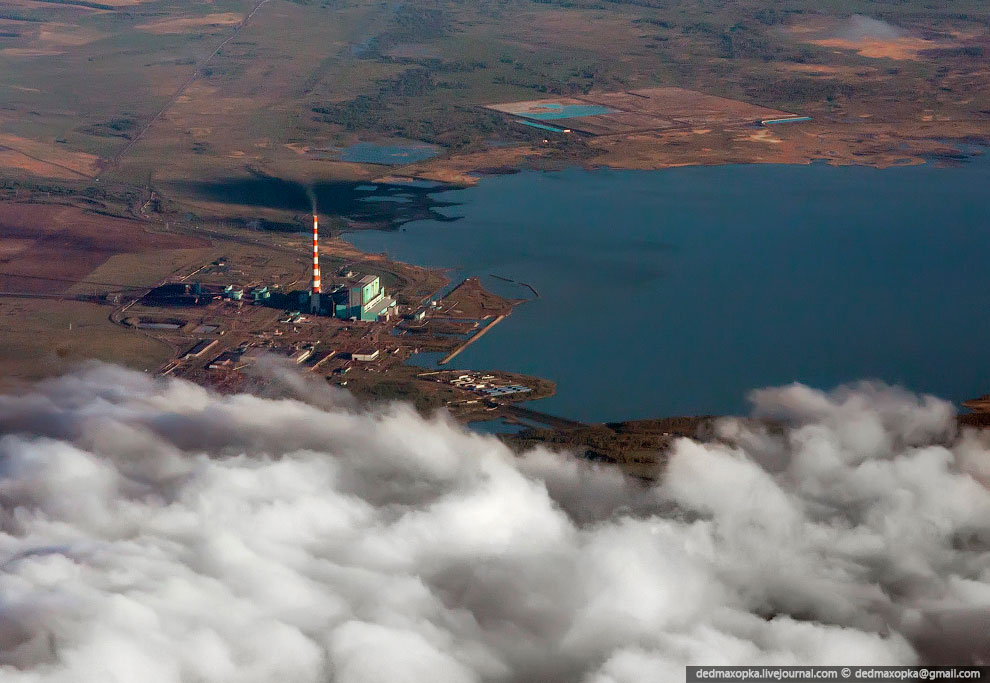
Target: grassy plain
x=44 y=337
x=79 y=82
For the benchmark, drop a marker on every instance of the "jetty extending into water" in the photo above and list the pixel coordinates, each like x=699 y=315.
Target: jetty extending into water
x=516 y=282
x=480 y=333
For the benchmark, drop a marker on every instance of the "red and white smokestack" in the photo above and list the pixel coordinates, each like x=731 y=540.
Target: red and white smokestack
x=314 y=300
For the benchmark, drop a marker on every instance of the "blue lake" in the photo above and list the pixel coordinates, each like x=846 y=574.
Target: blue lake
x=387 y=154
x=676 y=292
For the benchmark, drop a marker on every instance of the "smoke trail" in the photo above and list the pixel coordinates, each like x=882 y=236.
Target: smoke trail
x=311 y=193
x=151 y=530
x=859 y=27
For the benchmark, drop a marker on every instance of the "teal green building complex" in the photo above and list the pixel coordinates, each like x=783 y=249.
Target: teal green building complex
x=365 y=300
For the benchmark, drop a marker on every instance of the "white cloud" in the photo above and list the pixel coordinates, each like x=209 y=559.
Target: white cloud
x=153 y=531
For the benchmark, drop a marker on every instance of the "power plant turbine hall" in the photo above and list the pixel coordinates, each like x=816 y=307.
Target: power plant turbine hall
x=314 y=298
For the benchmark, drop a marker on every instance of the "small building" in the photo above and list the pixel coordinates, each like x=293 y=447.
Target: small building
x=201 y=347
x=366 y=356
x=301 y=355
x=225 y=361
x=260 y=294
x=252 y=354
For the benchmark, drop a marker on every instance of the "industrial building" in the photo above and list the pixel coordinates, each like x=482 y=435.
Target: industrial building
x=178 y=294
x=487 y=385
x=366 y=355
x=364 y=300
x=297 y=355
x=201 y=347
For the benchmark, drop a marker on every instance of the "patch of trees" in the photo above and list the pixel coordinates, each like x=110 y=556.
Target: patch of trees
x=394 y=112
x=17 y=16
x=410 y=24
x=118 y=127
x=798 y=90
x=81 y=3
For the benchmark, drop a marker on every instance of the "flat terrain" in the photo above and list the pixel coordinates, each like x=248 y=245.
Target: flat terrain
x=46 y=337
x=142 y=140
x=192 y=90
x=48 y=248
x=641 y=111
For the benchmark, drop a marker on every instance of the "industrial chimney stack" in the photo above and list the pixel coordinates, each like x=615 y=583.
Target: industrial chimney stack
x=314 y=299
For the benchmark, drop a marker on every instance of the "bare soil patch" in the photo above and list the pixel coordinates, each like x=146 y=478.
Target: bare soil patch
x=49 y=247
x=186 y=24
x=897 y=48
x=828 y=70
x=866 y=36
x=29 y=52
x=45 y=159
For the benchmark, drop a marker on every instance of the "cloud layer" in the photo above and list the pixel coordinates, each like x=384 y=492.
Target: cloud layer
x=154 y=531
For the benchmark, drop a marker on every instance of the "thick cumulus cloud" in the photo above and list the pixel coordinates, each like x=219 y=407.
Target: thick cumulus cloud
x=153 y=531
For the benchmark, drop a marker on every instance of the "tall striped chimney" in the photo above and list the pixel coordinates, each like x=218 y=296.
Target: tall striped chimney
x=314 y=298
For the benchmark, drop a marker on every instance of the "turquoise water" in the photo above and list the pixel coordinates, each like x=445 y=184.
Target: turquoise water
x=541 y=126
x=567 y=111
x=678 y=291
x=794 y=119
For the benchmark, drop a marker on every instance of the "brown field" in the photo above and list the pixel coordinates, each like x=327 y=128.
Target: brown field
x=47 y=248
x=55 y=33
x=12 y=159
x=869 y=38
x=184 y=24
x=896 y=48
x=123 y=3
x=44 y=159
x=29 y=52
x=829 y=71
x=37 y=39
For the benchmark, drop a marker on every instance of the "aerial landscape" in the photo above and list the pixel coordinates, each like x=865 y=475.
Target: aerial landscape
x=501 y=340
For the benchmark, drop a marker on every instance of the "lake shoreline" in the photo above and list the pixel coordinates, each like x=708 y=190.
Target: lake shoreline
x=467 y=225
